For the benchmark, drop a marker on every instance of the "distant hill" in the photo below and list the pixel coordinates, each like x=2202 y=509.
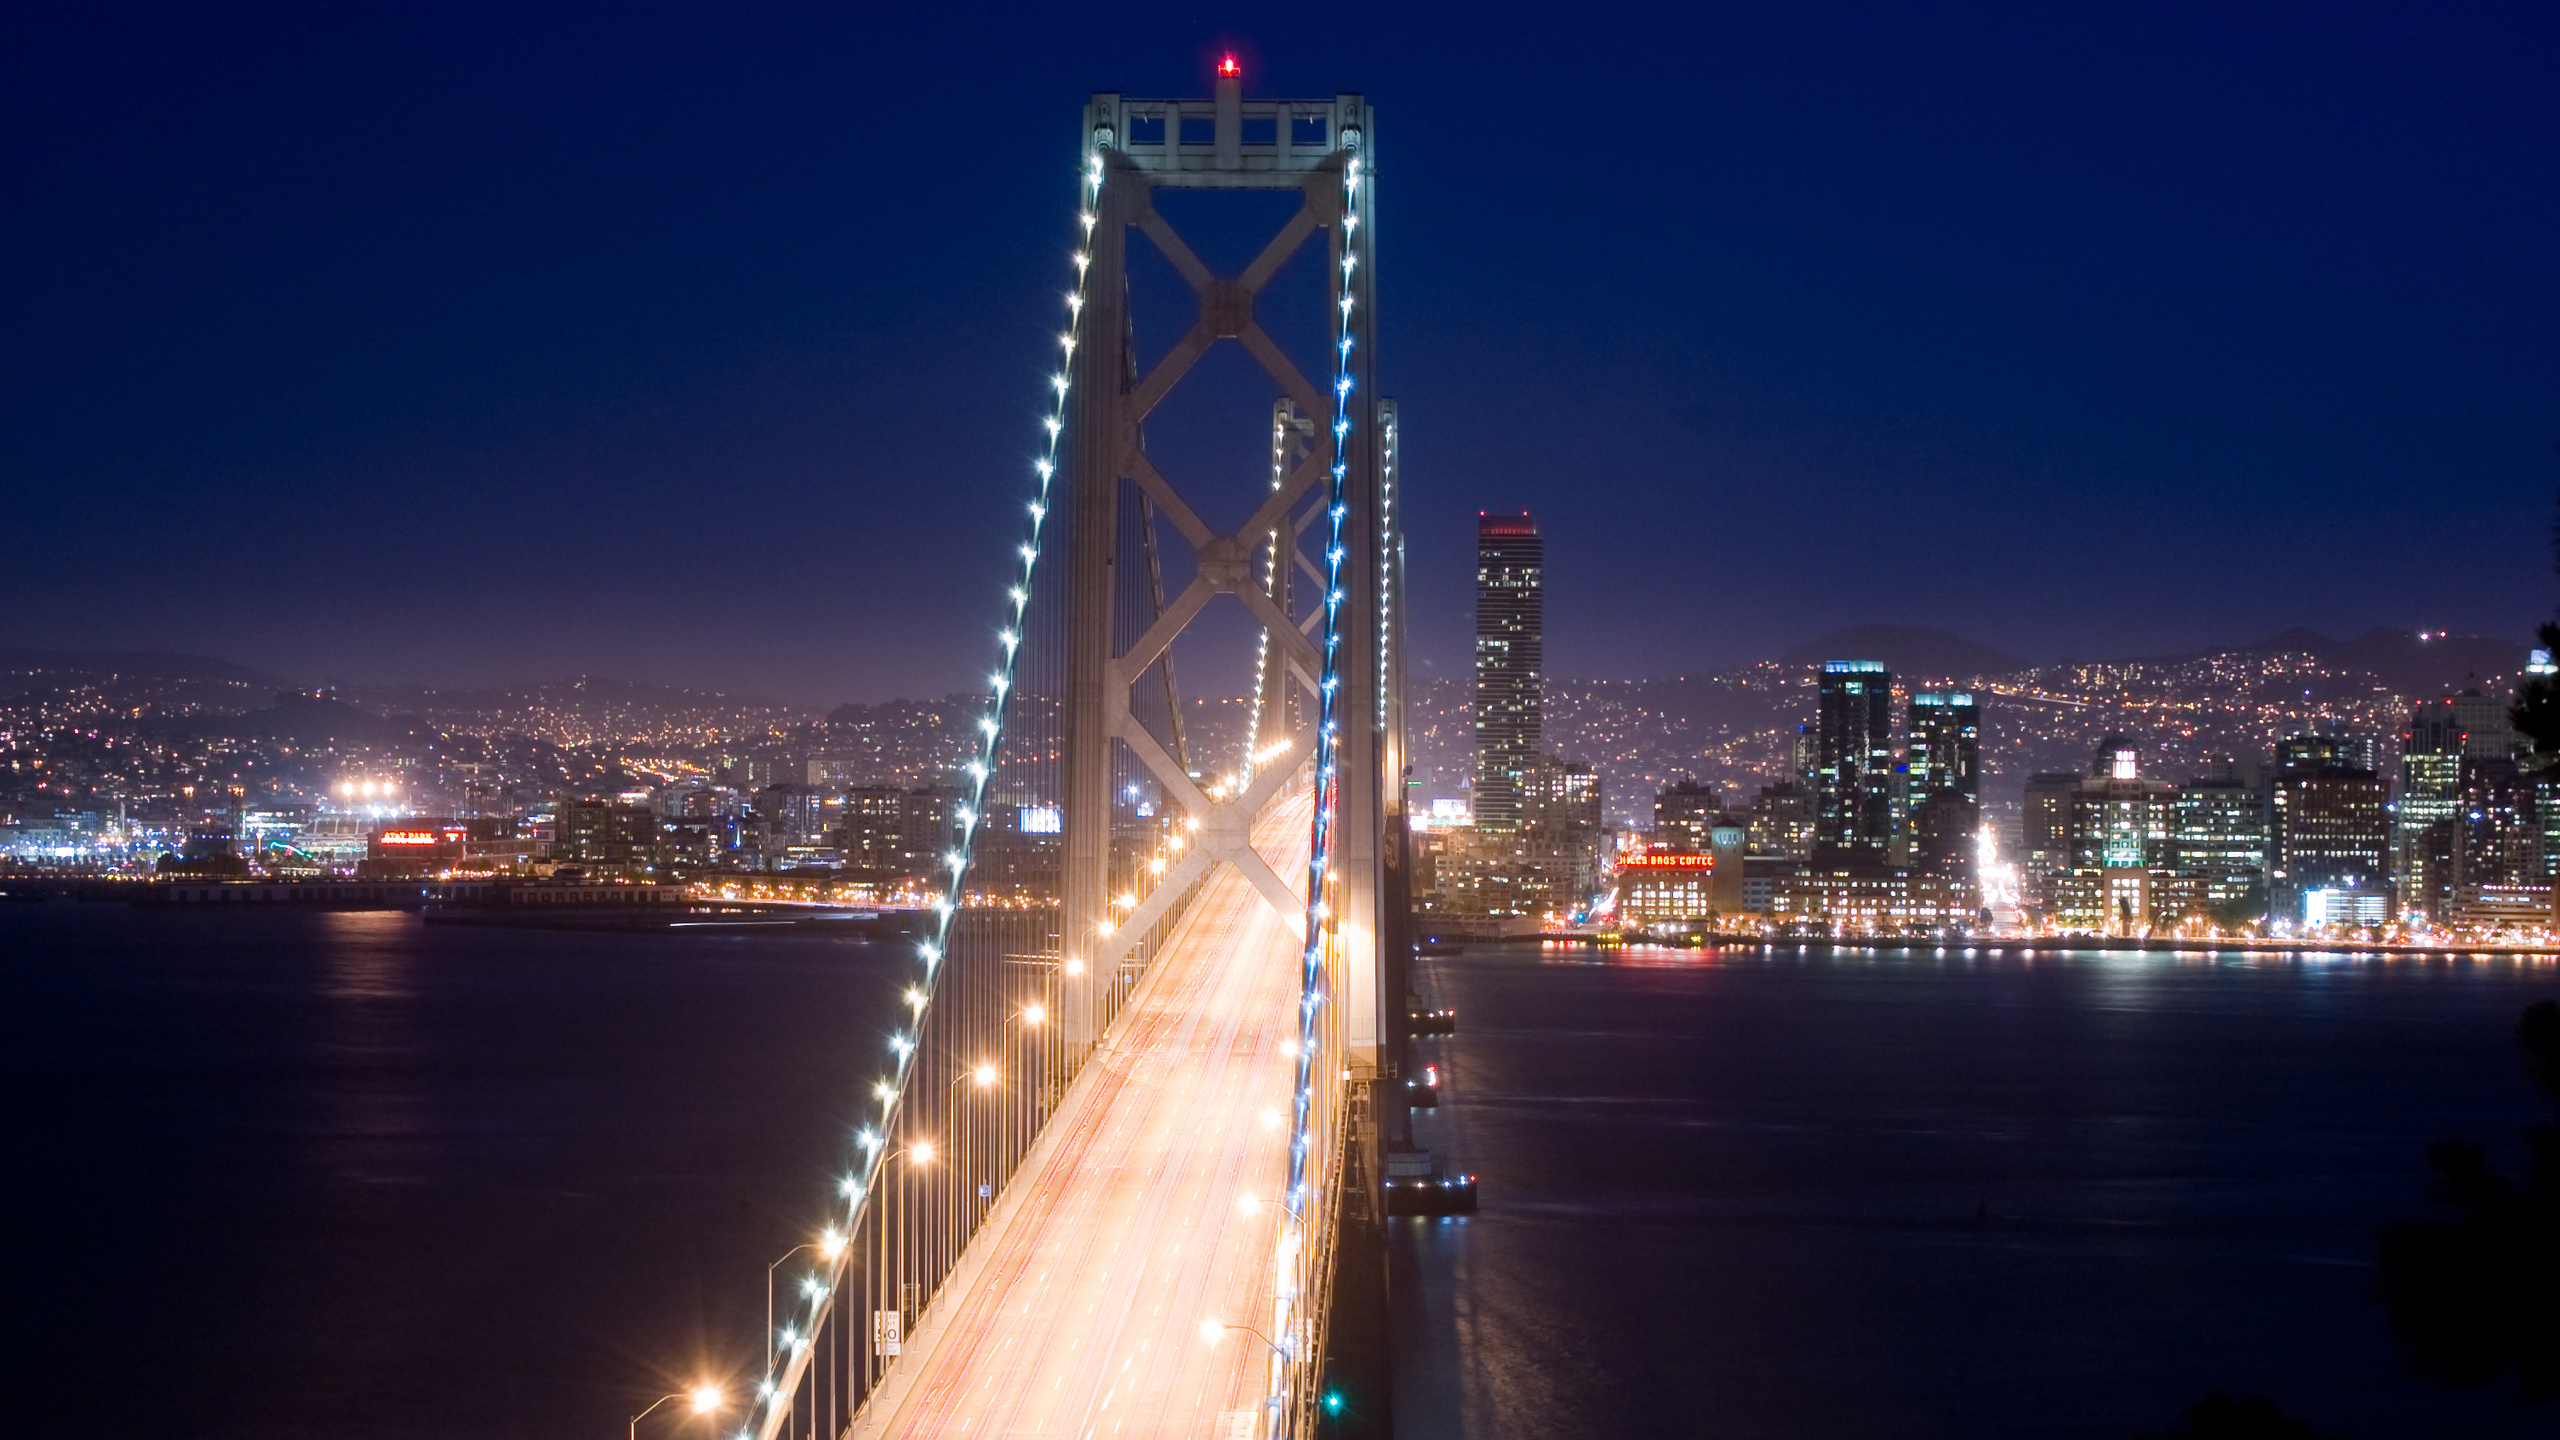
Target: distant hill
x=2411 y=662
x=577 y=692
x=309 y=720
x=131 y=665
x=1908 y=650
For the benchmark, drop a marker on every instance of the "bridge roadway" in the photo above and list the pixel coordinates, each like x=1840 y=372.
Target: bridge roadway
x=1077 y=1313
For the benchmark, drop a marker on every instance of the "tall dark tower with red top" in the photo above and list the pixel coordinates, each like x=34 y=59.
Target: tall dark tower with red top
x=1511 y=622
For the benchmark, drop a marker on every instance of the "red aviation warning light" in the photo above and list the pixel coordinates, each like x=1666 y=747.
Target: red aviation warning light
x=1228 y=69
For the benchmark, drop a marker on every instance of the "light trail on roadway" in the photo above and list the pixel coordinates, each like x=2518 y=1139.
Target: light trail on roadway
x=1146 y=1219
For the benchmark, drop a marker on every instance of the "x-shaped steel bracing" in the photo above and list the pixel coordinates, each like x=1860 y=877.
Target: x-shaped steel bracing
x=1225 y=566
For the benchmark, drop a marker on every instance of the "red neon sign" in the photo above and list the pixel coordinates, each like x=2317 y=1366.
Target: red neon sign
x=1668 y=862
x=408 y=837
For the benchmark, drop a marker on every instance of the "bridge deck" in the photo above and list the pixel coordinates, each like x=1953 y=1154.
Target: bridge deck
x=1077 y=1313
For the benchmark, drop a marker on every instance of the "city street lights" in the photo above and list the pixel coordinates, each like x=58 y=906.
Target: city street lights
x=704 y=1398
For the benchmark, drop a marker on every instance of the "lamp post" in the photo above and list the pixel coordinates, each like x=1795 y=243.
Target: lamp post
x=829 y=1245
x=704 y=1398
x=1017 y=1124
x=887 y=1279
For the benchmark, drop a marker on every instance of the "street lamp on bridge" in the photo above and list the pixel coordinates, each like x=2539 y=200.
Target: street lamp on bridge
x=704 y=1398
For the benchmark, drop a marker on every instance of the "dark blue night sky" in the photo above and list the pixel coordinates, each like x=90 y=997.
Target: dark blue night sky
x=706 y=345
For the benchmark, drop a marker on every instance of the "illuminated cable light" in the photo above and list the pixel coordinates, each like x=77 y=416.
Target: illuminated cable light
x=944 y=904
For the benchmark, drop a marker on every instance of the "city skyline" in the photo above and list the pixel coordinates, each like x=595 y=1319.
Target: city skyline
x=828 y=799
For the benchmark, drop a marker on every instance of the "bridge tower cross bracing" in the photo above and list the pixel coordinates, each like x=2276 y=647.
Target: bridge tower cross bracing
x=1301 y=146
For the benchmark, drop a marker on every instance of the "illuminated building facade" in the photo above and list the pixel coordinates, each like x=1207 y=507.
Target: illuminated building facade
x=2431 y=746
x=1945 y=752
x=2329 y=836
x=1683 y=817
x=1866 y=902
x=1942 y=764
x=609 y=834
x=1781 y=822
x=1854 y=779
x=1668 y=892
x=2119 y=849
x=2218 y=832
x=1560 y=835
x=2045 y=833
x=1510 y=653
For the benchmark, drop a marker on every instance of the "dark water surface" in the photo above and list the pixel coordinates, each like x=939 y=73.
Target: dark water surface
x=304 y=1175
x=351 y=1175
x=1770 y=1195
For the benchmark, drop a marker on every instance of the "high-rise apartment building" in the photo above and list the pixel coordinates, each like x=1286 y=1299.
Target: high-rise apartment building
x=1945 y=754
x=2044 y=839
x=1942 y=765
x=1781 y=821
x=1510 y=651
x=1561 y=836
x=1854 y=778
x=2218 y=831
x=2119 y=843
x=2329 y=835
x=2431 y=747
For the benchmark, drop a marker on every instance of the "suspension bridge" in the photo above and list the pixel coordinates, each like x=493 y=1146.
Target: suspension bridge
x=1122 y=1171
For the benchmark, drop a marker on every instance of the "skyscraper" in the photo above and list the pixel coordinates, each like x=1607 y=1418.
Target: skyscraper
x=1946 y=746
x=1943 y=766
x=1510 y=646
x=2329 y=839
x=2431 y=751
x=1853 y=765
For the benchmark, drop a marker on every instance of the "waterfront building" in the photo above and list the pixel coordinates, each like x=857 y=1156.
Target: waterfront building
x=2218 y=835
x=1946 y=836
x=1560 y=835
x=1668 y=892
x=2044 y=841
x=1478 y=881
x=2477 y=867
x=2118 y=879
x=1854 y=789
x=605 y=834
x=1761 y=877
x=1510 y=653
x=1866 y=901
x=2431 y=750
x=2329 y=837
x=871 y=832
